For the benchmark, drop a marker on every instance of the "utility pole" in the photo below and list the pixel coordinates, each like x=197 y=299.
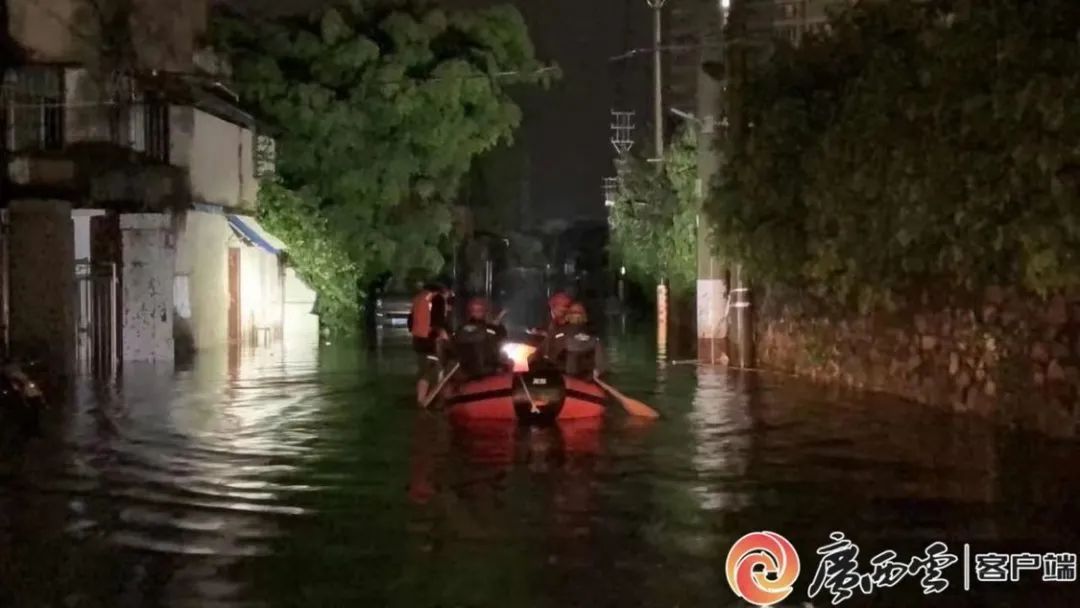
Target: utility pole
x=658 y=141
x=738 y=44
x=712 y=273
x=658 y=77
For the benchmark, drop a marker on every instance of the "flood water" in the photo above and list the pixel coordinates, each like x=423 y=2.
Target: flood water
x=307 y=477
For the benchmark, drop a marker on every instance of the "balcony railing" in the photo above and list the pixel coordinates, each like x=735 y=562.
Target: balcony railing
x=40 y=124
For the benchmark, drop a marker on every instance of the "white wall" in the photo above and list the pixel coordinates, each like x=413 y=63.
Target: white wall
x=301 y=326
x=81 y=220
x=261 y=293
x=202 y=258
x=219 y=156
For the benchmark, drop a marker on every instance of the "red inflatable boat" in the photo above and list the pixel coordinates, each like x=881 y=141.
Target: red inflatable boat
x=534 y=397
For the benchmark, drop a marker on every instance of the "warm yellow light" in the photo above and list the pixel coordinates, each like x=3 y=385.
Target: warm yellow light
x=519 y=353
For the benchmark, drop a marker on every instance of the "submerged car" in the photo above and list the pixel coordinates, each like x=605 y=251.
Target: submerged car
x=392 y=310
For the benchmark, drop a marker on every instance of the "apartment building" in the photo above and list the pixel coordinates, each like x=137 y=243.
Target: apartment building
x=130 y=188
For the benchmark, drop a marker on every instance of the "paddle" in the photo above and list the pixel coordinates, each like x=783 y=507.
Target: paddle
x=632 y=406
x=442 y=384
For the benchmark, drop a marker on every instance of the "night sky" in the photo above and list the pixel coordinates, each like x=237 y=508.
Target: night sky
x=566 y=129
x=564 y=139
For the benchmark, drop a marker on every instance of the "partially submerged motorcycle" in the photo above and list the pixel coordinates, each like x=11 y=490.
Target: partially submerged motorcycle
x=21 y=399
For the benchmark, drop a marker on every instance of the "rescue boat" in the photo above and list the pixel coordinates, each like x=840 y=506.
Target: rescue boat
x=530 y=396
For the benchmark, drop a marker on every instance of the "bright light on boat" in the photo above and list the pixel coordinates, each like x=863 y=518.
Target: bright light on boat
x=519 y=353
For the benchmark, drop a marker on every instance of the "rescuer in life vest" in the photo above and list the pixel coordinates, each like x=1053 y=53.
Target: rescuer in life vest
x=575 y=350
x=558 y=304
x=428 y=326
x=477 y=344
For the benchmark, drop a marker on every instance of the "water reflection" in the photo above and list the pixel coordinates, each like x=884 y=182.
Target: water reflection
x=306 y=476
x=722 y=427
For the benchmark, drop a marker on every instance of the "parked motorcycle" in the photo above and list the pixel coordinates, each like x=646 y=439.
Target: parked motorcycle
x=21 y=399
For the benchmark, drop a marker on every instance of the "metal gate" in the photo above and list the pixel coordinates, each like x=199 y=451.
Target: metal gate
x=96 y=327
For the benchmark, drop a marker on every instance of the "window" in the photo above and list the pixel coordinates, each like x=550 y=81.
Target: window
x=789 y=11
x=34 y=108
x=789 y=33
x=156 y=130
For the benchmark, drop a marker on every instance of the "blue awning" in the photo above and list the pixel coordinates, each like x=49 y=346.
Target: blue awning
x=250 y=230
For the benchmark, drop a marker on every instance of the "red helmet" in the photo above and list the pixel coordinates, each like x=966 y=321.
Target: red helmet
x=477 y=306
x=559 y=300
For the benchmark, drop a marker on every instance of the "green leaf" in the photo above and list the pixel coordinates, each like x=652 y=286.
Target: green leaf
x=375 y=132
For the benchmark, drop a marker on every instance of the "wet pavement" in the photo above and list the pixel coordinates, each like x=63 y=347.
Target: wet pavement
x=306 y=477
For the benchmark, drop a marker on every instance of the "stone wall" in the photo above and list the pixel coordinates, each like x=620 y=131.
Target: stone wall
x=1005 y=355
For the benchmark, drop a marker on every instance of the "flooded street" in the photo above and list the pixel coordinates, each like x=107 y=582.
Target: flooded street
x=308 y=478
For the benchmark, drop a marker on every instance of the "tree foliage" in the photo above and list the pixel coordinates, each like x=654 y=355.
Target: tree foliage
x=654 y=218
x=378 y=108
x=319 y=254
x=918 y=142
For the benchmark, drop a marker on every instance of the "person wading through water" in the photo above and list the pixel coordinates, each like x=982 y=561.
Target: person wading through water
x=428 y=326
x=575 y=350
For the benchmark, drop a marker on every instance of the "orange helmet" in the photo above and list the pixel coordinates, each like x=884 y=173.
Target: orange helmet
x=576 y=314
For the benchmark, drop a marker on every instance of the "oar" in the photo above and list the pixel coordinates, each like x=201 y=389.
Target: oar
x=532 y=404
x=442 y=384
x=632 y=406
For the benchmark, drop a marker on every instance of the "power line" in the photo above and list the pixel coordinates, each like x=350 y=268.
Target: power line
x=665 y=47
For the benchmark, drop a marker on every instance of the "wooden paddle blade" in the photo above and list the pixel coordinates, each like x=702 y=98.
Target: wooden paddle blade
x=438 y=389
x=632 y=406
x=639 y=409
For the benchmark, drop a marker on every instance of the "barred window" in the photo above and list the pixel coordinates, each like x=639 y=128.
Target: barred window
x=156 y=130
x=34 y=108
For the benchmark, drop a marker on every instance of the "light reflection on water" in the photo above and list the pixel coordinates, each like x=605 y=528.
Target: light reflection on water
x=281 y=478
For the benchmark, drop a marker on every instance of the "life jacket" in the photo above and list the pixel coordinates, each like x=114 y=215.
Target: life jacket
x=420 y=314
x=476 y=344
x=555 y=330
x=576 y=351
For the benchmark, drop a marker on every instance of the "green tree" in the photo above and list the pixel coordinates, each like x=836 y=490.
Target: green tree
x=928 y=143
x=378 y=108
x=654 y=218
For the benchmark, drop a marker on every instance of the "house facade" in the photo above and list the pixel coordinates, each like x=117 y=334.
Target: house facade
x=130 y=189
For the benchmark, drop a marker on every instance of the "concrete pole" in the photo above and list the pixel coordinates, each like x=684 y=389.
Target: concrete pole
x=658 y=140
x=658 y=79
x=712 y=275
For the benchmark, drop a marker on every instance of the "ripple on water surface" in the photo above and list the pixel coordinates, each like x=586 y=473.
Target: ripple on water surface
x=285 y=479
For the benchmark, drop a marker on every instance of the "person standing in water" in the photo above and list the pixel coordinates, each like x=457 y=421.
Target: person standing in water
x=428 y=326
